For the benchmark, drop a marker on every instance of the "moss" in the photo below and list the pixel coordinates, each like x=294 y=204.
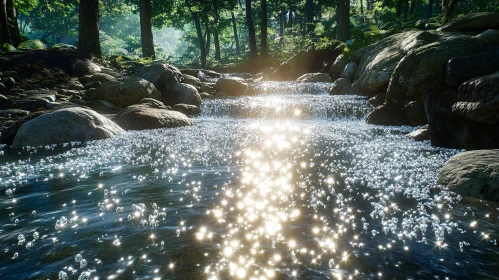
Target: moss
x=32 y=45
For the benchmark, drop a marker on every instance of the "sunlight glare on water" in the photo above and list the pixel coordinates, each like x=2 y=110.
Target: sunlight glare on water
x=287 y=184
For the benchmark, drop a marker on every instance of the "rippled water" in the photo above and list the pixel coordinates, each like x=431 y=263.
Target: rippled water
x=290 y=183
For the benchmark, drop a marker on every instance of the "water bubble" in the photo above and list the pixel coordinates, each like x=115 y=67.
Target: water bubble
x=36 y=235
x=15 y=255
x=63 y=275
x=78 y=258
x=30 y=245
x=98 y=262
x=21 y=239
x=83 y=263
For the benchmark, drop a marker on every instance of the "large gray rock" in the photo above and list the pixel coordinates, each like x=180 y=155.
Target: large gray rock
x=338 y=66
x=474 y=174
x=85 y=67
x=476 y=22
x=186 y=94
x=421 y=134
x=232 y=86
x=140 y=118
x=315 y=78
x=126 y=92
x=341 y=86
x=164 y=77
x=191 y=80
x=387 y=115
x=461 y=69
x=349 y=71
x=63 y=126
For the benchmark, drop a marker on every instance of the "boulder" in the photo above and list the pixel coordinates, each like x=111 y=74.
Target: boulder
x=378 y=100
x=476 y=22
x=164 y=77
x=338 y=66
x=151 y=103
x=98 y=77
x=461 y=69
x=141 y=118
x=415 y=112
x=104 y=107
x=14 y=113
x=186 y=94
x=32 y=45
x=207 y=87
x=386 y=115
x=341 y=86
x=126 y=92
x=191 y=80
x=3 y=99
x=63 y=46
x=9 y=82
x=474 y=174
x=187 y=109
x=489 y=36
x=205 y=95
x=315 y=78
x=7 y=136
x=63 y=126
x=421 y=134
x=349 y=71
x=231 y=86
x=85 y=67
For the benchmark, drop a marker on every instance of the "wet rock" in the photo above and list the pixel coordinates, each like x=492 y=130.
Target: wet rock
x=141 y=118
x=76 y=86
x=91 y=85
x=341 y=86
x=63 y=126
x=105 y=107
x=9 y=82
x=386 y=115
x=111 y=72
x=207 y=87
x=338 y=66
x=32 y=45
x=231 y=86
x=461 y=69
x=126 y=92
x=349 y=71
x=186 y=94
x=315 y=78
x=78 y=102
x=98 y=77
x=205 y=95
x=245 y=76
x=477 y=22
x=474 y=174
x=2 y=86
x=7 y=136
x=416 y=113
x=490 y=36
x=3 y=99
x=378 y=100
x=191 y=80
x=84 y=68
x=421 y=134
x=163 y=76
x=13 y=113
x=69 y=92
x=187 y=109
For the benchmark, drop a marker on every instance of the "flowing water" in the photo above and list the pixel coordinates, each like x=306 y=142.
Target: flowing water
x=287 y=184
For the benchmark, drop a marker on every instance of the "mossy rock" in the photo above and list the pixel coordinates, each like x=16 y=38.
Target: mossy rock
x=32 y=45
x=63 y=46
x=8 y=48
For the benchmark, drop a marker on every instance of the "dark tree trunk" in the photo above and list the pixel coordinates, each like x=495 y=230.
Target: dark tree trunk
x=197 y=23
x=290 y=20
x=343 y=20
x=207 y=39
x=236 y=38
x=411 y=8
x=216 y=38
x=429 y=11
x=251 y=30
x=309 y=15
x=146 y=29
x=263 y=39
x=88 y=39
x=4 y=29
x=282 y=23
x=398 y=11
x=15 y=33
x=449 y=11
x=361 y=7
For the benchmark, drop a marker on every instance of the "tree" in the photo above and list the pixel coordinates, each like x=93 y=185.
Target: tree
x=197 y=22
x=251 y=30
x=263 y=40
x=88 y=32
x=343 y=20
x=411 y=7
x=448 y=8
x=146 y=29
x=429 y=10
x=4 y=29
x=234 y=28
x=398 y=11
x=309 y=15
x=15 y=33
x=216 y=37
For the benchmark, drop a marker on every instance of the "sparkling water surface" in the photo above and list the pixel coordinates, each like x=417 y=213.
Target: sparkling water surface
x=287 y=184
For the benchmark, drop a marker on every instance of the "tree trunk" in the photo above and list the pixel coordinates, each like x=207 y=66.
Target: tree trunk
x=197 y=23
x=449 y=11
x=15 y=33
x=411 y=9
x=88 y=39
x=251 y=30
x=290 y=21
x=236 y=38
x=4 y=30
x=282 y=23
x=216 y=38
x=309 y=15
x=263 y=26
x=343 y=20
x=429 y=11
x=398 y=11
x=207 y=39
x=361 y=7
x=146 y=29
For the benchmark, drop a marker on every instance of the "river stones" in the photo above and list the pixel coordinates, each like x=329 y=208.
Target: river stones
x=473 y=173
x=98 y=78
x=164 y=77
x=126 y=92
x=315 y=78
x=63 y=126
x=191 y=80
x=185 y=94
x=187 y=109
x=387 y=115
x=85 y=67
x=461 y=69
x=421 y=134
x=349 y=71
x=476 y=22
x=341 y=86
x=140 y=118
x=338 y=66
x=232 y=86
